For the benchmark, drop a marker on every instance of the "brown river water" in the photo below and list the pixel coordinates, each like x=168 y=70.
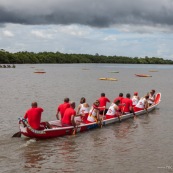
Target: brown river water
x=142 y=145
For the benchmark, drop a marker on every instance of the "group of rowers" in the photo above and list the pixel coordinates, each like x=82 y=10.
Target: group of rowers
x=68 y=116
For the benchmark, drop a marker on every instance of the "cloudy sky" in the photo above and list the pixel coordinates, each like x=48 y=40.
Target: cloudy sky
x=135 y=28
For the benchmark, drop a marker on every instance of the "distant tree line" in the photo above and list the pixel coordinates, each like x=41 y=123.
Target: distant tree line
x=50 y=57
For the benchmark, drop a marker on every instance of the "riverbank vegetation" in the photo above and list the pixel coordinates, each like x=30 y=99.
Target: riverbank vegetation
x=50 y=57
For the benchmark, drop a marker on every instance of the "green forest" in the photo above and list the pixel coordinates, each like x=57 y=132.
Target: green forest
x=51 y=57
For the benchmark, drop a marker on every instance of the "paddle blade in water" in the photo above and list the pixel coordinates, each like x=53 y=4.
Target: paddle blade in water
x=18 y=134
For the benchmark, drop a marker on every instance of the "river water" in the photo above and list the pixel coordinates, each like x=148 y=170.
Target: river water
x=142 y=145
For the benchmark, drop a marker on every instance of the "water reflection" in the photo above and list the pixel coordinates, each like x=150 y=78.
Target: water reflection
x=43 y=155
x=124 y=128
x=145 y=119
x=66 y=150
x=33 y=155
x=67 y=154
x=33 y=159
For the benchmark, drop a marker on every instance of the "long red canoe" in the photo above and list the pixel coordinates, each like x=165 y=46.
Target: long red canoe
x=58 y=130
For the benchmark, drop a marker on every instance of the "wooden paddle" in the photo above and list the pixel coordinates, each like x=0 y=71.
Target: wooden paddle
x=74 y=131
x=122 y=112
x=119 y=118
x=75 y=124
x=18 y=134
x=146 y=111
x=101 y=120
x=146 y=107
x=134 y=114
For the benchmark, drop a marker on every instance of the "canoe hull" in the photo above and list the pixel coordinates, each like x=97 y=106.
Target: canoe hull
x=54 y=132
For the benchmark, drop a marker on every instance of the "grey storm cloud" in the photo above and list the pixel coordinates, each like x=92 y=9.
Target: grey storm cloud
x=97 y=13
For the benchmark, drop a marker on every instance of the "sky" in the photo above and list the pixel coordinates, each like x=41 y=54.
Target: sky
x=133 y=28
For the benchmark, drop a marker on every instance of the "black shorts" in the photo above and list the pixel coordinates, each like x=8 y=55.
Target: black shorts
x=101 y=112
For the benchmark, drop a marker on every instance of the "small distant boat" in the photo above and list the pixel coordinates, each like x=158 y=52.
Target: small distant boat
x=85 y=69
x=40 y=72
x=111 y=79
x=113 y=72
x=7 y=66
x=153 y=71
x=143 y=75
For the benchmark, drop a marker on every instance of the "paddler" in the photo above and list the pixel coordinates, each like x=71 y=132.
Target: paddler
x=151 y=97
x=62 y=107
x=83 y=110
x=127 y=102
x=135 y=99
x=120 y=97
x=142 y=104
x=103 y=101
x=69 y=114
x=33 y=115
x=113 y=110
x=94 y=113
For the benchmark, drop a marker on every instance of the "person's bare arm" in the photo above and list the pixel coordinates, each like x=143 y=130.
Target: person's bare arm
x=78 y=109
x=73 y=121
x=58 y=116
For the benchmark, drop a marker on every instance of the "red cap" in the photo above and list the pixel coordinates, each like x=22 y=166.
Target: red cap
x=136 y=93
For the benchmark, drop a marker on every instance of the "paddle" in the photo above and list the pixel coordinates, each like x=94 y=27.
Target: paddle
x=146 y=107
x=101 y=120
x=18 y=134
x=122 y=112
x=75 y=128
x=74 y=131
x=119 y=118
x=146 y=111
x=134 y=114
x=75 y=124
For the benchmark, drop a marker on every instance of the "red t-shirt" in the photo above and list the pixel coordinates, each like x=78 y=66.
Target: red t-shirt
x=128 y=104
x=67 y=116
x=103 y=101
x=62 y=107
x=119 y=98
x=34 y=117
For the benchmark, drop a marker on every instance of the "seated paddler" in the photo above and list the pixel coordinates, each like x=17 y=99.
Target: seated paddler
x=33 y=116
x=113 y=110
x=94 y=112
